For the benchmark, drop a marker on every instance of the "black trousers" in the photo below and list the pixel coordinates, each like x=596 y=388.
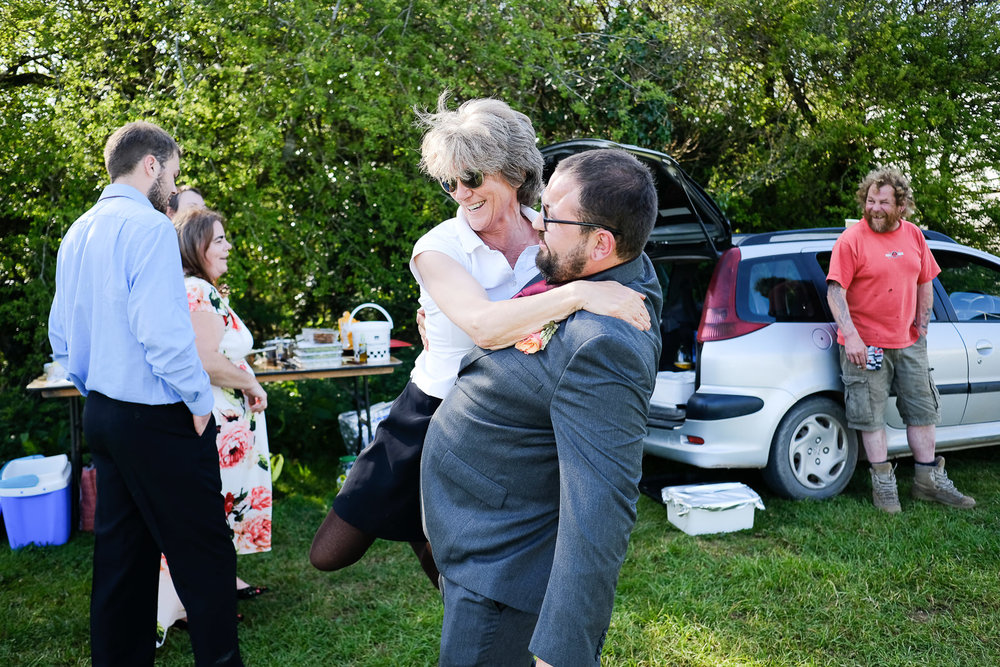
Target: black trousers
x=158 y=490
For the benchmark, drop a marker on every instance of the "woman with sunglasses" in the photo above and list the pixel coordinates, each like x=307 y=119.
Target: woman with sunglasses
x=469 y=267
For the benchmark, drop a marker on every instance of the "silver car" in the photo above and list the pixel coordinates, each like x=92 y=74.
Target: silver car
x=748 y=314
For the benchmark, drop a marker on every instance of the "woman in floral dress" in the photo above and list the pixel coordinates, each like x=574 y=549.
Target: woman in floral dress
x=223 y=343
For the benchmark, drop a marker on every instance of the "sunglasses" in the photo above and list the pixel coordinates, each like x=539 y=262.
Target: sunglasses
x=472 y=180
x=546 y=221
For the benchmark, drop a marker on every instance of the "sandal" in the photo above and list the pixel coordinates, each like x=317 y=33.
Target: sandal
x=250 y=592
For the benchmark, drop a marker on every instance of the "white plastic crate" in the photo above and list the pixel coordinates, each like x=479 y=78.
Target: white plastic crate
x=702 y=509
x=673 y=387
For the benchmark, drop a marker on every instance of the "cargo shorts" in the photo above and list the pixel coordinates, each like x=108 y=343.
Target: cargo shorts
x=905 y=373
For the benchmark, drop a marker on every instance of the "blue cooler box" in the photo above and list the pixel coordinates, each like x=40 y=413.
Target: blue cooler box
x=34 y=495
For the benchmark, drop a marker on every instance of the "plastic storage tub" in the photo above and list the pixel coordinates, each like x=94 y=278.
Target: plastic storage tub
x=700 y=509
x=673 y=387
x=34 y=494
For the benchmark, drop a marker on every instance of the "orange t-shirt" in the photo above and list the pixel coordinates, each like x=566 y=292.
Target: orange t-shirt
x=880 y=273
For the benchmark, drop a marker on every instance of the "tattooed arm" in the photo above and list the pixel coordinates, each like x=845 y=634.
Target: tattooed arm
x=925 y=305
x=854 y=347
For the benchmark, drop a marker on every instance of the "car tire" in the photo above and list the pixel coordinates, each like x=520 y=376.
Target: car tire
x=814 y=453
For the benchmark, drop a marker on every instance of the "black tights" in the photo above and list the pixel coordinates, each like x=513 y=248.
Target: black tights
x=338 y=544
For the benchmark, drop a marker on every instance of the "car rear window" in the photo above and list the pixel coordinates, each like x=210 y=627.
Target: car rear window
x=778 y=289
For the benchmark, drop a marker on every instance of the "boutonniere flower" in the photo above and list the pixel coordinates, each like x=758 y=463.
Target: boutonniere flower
x=538 y=340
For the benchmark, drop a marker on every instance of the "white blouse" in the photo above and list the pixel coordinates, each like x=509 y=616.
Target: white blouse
x=435 y=370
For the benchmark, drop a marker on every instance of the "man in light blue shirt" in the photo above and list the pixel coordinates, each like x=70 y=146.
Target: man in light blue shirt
x=120 y=325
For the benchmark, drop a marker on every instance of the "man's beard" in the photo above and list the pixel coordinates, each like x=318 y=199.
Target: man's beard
x=886 y=224
x=561 y=270
x=158 y=196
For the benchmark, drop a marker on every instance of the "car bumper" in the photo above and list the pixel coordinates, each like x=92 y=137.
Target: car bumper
x=740 y=441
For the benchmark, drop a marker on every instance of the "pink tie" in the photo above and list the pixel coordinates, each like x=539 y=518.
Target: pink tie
x=535 y=288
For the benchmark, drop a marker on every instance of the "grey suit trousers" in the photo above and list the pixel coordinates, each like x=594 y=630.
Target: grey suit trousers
x=481 y=631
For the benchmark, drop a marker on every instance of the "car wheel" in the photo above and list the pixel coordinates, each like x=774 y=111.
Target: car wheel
x=813 y=453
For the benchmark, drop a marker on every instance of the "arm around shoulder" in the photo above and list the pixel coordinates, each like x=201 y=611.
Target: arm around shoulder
x=499 y=324
x=490 y=324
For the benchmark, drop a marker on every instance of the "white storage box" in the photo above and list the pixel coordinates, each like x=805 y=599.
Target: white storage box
x=701 y=509
x=673 y=388
x=318 y=355
x=319 y=336
x=349 y=424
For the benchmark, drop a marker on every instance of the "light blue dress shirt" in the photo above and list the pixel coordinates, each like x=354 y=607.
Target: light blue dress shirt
x=119 y=322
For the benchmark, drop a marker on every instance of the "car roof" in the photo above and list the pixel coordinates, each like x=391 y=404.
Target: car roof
x=814 y=234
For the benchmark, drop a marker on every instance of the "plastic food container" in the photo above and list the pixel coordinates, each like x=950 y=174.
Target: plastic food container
x=316 y=355
x=673 y=387
x=701 y=509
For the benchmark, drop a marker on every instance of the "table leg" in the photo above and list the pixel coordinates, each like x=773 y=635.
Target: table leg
x=361 y=399
x=368 y=410
x=76 y=441
x=359 y=444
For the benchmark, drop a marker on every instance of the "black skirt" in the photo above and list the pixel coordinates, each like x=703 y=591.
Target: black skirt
x=381 y=496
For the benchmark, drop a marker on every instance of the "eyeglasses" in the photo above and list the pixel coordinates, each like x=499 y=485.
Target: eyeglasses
x=547 y=221
x=472 y=180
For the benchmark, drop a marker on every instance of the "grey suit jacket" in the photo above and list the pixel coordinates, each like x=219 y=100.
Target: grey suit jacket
x=530 y=471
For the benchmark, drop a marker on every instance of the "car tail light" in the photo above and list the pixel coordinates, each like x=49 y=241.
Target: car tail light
x=719 y=320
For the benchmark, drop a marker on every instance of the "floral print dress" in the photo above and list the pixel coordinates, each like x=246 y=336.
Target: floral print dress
x=244 y=459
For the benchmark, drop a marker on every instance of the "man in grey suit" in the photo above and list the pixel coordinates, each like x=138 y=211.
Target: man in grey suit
x=529 y=476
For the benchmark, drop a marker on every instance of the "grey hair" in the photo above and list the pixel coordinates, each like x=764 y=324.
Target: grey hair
x=484 y=134
x=892 y=177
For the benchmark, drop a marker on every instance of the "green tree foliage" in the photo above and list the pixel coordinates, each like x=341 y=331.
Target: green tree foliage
x=797 y=99
x=296 y=118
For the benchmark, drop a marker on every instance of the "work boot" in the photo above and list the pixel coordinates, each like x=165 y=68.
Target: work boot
x=932 y=483
x=884 y=492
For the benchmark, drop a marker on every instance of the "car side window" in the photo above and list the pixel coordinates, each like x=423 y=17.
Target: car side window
x=778 y=289
x=972 y=285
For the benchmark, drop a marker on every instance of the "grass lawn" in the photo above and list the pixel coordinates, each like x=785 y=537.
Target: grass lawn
x=813 y=583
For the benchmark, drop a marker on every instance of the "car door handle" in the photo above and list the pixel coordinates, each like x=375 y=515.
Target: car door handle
x=984 y=347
